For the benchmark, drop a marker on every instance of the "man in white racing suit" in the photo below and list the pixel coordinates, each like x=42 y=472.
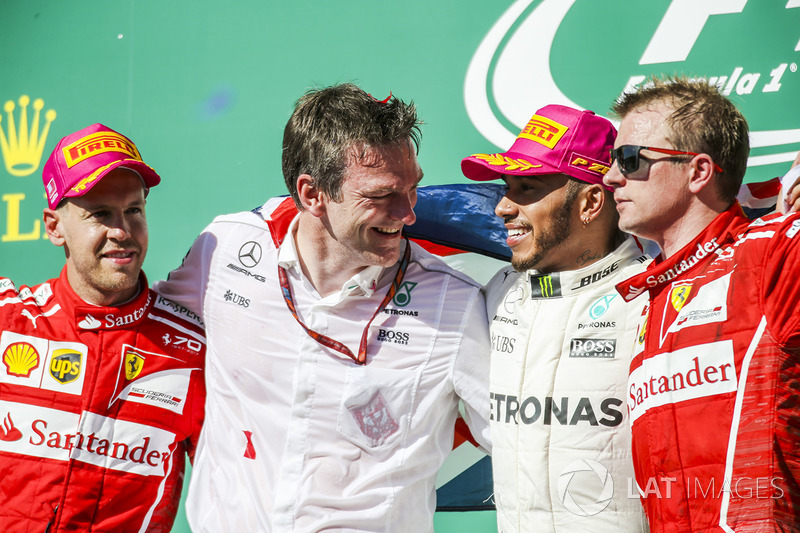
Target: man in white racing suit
x=561 y=336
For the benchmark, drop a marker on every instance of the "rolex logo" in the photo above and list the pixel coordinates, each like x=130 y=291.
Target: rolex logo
x=22 y=148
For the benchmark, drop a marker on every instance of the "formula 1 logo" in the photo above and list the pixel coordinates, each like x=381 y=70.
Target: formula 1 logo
x=543 y=52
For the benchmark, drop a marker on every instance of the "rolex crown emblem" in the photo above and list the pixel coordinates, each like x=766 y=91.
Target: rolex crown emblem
x=22 y=148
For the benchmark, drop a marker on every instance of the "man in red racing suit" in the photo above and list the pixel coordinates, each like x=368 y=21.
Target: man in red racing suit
x=713 y=387
x=714 y=384
x=101 y=385
x=99 y=406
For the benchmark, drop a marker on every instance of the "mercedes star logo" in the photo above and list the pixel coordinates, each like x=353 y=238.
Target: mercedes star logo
x=250 y=254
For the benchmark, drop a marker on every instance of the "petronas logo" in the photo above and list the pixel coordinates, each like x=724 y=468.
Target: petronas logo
x=403 y=296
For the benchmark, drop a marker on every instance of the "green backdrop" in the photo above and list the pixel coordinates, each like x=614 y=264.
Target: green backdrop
x=204 y=88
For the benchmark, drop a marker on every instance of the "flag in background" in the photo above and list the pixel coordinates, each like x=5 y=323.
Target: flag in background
x=457 y=223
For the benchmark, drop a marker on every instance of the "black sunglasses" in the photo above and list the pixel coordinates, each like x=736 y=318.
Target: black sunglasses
x=627 y=156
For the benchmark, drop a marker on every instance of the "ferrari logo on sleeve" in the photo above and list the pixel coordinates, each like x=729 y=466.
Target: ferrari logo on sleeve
x=679 y=296
x=133 y=365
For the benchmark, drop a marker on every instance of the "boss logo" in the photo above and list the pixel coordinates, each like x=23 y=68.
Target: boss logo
x=397 y=337
x=598 y=348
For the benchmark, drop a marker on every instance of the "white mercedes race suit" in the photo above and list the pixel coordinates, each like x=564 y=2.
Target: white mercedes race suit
x=297 y=436
x=561 y=346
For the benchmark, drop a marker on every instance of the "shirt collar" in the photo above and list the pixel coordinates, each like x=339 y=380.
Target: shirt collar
x=98 y=317
x=365 y=280
x=721 y=231
x=568 y=282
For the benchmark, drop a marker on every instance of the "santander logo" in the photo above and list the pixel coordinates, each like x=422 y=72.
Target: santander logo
x=513 y=73
x=686 y=374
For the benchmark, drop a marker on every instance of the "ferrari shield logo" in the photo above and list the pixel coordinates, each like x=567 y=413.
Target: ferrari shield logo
x=679 y=296
x=642 y=332
x=133 y=365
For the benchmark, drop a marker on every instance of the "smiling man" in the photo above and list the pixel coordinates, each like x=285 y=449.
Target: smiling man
x=101 y=386
x=338 y=350
x=714 y=378
x=561 y=338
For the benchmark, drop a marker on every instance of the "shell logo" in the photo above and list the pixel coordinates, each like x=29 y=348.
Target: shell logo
x=20 y=358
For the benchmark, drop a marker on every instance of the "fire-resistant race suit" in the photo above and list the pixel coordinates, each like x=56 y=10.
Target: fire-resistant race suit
x=560 y=433
x=299 y=437
x=98 y=405
x=713 y=391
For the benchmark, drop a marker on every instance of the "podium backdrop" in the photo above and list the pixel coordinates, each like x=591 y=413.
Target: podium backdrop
x=204 y=89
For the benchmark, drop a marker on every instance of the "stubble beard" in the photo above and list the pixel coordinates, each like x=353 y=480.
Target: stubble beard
x=547 y=239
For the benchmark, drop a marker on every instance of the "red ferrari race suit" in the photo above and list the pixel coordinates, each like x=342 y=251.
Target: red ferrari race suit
x=714 y=386
x=98 y=407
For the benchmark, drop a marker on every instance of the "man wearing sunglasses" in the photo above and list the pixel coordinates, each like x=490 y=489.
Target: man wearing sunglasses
x=713 y=385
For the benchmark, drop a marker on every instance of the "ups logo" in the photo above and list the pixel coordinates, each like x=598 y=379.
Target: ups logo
x=65 y=365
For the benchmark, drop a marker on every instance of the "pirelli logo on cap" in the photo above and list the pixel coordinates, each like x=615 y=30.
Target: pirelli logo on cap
x=98 y=143
x=543 y=131
x=588 y=164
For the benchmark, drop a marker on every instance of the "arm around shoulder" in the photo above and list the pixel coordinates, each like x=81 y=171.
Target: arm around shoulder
x=471 y=370
x=186 y=285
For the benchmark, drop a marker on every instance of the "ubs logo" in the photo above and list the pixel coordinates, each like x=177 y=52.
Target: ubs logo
x=503 y=344
x=250 y=254
x=238 y=299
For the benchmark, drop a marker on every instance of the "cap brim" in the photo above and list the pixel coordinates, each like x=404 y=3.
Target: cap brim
x=485 y=167
x=148 y=175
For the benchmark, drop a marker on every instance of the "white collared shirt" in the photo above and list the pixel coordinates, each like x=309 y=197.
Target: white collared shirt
x=297 y=436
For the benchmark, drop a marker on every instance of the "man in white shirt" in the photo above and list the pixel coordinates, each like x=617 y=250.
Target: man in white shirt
x=337 y=350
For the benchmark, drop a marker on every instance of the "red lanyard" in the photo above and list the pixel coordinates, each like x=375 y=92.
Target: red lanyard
x=333 y=344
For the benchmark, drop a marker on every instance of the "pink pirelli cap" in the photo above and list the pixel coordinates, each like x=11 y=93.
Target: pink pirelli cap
x=556 y=140
x=80 y=160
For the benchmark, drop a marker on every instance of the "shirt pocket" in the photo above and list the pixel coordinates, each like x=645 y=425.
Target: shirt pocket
x=376 y=406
